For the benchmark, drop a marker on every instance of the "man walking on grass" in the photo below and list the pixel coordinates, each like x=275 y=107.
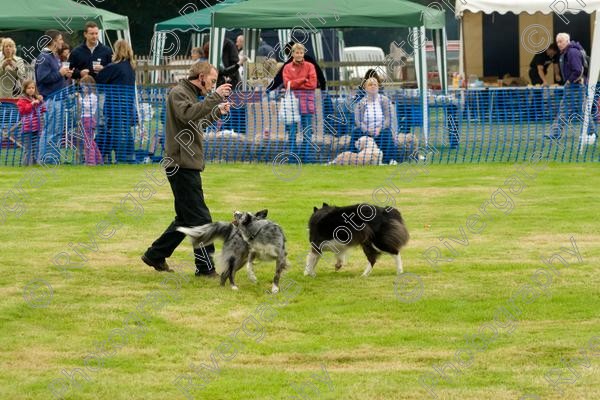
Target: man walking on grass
x=186 y=119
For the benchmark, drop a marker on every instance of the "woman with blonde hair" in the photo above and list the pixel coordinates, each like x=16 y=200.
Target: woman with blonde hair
x=12 y=70
x=121 y=70
x=119 y=107
x=373 y=118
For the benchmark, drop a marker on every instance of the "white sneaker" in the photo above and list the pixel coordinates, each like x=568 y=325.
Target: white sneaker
x=393 y=162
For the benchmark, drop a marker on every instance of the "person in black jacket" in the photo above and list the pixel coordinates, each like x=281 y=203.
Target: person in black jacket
x=230 y=74
x=231 y=62
x=119 y=107
x=91 y=56
x=538 y=68
x=277 y=81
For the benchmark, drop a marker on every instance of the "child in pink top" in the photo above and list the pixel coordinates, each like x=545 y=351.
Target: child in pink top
x=30 y=106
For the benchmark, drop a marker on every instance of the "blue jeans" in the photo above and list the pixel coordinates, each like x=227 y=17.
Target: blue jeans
x=572 y=108
x=306 y=154
x=49 y=151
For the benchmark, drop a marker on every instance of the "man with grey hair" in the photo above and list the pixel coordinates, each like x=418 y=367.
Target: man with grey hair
x=572 y=60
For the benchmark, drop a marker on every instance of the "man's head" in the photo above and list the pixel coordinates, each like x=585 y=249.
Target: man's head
x=56 y=39
x=239 y=42
x=552 y=50
x=91 y=32
x=562 y=40
x=196 y=53
x=203 y=76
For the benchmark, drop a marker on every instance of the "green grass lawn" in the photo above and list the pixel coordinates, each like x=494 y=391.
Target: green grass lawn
x=371 y=344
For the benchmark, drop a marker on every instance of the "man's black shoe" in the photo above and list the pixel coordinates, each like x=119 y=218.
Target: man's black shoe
x=211 y=274
x=160 y=266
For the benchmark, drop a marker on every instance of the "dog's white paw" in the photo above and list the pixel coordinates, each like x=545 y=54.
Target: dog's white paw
x=274 y=289
x=234 y=287
x=310 y=273
x=252 y=278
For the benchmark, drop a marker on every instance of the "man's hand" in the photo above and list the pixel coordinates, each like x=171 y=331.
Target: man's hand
x=243 y=59
x=64 y=71
x=377 y=132
x=224 y=108
x=224 y=90
x=84 y=72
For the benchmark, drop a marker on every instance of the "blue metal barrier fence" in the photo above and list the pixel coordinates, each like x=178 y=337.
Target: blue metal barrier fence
x=107 y=124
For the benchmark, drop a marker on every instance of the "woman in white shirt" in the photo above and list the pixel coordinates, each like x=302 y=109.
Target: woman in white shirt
x=88 y=101
x=373 y=117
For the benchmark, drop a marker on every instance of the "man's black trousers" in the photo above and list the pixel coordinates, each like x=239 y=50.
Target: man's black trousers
x=190 y=210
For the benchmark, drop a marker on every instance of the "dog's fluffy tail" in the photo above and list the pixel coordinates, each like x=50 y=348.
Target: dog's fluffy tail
x=206 y=234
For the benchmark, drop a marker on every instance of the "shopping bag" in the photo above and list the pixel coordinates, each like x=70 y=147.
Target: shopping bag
x=289 y=107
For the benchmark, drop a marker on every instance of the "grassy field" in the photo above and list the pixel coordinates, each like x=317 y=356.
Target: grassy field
x=337 y=336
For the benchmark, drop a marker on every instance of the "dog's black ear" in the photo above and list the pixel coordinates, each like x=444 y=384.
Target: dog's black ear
x=325 y=205
x=262 y=214
x=315 y=209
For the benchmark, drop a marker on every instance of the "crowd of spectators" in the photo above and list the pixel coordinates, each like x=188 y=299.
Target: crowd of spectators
x=65 y=79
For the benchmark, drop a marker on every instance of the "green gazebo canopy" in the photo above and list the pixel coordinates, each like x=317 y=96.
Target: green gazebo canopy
x=201 y=19
x=335 y=14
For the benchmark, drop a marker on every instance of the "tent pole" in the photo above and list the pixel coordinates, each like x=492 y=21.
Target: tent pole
x=462 y=59
x=440 y=55
x=594 y=71
x=421 y=72
x=444 y=71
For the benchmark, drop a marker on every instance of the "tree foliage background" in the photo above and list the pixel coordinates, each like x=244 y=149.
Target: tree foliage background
x=143 y=14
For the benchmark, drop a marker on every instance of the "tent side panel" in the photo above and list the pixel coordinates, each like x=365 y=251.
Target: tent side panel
x=473 y=25
x=535 y=32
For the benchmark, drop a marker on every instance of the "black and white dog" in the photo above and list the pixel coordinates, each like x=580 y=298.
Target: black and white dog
x=248 y=237
x=376 y=229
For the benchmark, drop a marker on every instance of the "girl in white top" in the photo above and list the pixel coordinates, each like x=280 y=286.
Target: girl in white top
x=88 y=101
